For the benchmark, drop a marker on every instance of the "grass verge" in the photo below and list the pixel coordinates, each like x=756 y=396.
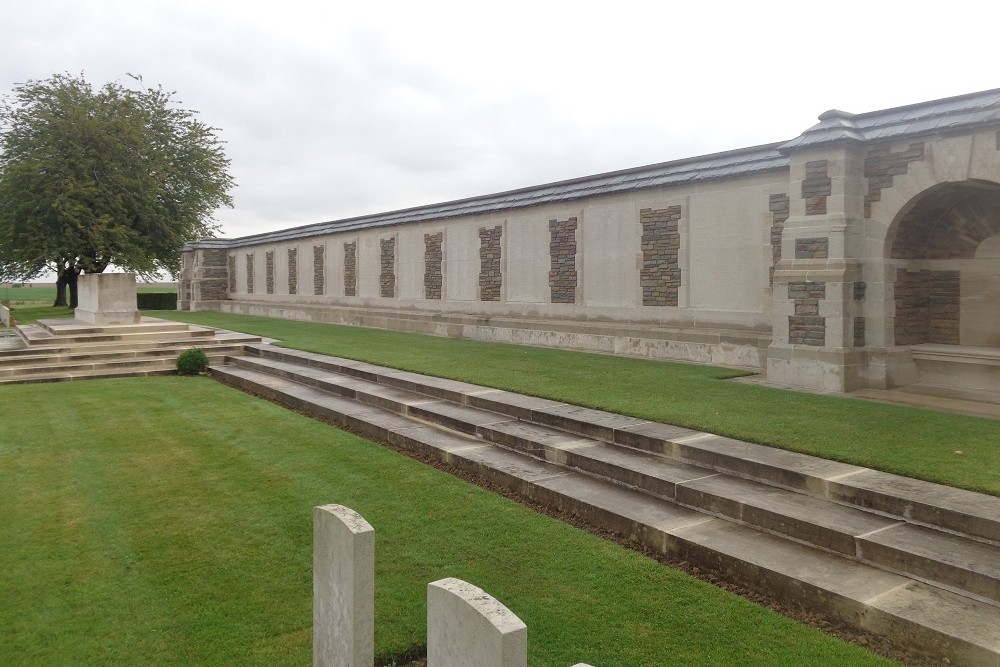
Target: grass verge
x=184 y=537
x=906 y=441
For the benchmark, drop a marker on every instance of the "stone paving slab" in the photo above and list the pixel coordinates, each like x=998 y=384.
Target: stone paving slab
x=942 y=623
x=934 y=504
x=585 y=421
x=930 y=554
x=812 y=520
x=518 y=406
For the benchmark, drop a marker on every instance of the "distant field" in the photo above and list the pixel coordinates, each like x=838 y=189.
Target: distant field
x=48 y=294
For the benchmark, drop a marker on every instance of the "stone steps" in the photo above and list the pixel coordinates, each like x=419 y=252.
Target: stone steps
x=79 y=365
x=914 y=501
x=37 y=335
x=53 y=350
x=866 y=568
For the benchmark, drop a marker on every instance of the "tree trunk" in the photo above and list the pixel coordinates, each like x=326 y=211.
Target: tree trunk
x=71 y=280
x=61 y=284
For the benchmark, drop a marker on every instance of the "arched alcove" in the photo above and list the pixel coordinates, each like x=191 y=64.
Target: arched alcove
x=947 y=289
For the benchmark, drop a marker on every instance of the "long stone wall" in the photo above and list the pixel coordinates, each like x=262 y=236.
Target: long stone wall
x=821 y=259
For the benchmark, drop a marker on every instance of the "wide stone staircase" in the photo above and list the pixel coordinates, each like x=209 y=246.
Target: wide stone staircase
x=913 y=561
x=68 y=349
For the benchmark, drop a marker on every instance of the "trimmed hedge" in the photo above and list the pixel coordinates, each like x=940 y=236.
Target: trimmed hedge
x=156 y=300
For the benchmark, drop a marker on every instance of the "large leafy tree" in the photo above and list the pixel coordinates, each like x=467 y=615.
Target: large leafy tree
x=89 y=177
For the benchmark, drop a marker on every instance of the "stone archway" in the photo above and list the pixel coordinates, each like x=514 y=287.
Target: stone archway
x=946 y=251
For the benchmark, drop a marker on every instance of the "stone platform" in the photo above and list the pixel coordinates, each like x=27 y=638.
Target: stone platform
x=73 y=349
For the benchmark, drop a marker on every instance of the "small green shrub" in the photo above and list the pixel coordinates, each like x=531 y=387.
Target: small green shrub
x=156 y=300
x=192 y=362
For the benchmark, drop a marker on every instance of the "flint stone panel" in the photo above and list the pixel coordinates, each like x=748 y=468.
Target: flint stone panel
x=249 y=273
x=660 y=276
x=490 y=279
x=562 y=256
x=387 y=276
x=319 y=270
x=778 y=205
x=232 y=273
x=928 y=307
x=269 y=271
x=351 y=268
x=806 y=326
x=433 y=278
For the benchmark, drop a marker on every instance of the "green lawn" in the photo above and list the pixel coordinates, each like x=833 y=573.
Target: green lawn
x=908 y=441
x=17 y=295
x=167 y=521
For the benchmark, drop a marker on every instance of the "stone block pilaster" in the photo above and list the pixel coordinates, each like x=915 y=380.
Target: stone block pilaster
x=208 y=276
x=817 y=321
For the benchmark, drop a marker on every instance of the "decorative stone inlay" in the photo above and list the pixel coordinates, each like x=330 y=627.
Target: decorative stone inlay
x=319 y=270
x=387 y=277
x=562 y=254
x=859 y=332
x=806 y=327
x=249 y=273
x=433 y=278
x=490 y=278
x=882 y=164
x=232 y=273
x=351 y=268
x=816 y=187
x=812 y=248
x=928 y=307
x=293 y=270
x=778 y=205
x=269 y=271
x=660 y=277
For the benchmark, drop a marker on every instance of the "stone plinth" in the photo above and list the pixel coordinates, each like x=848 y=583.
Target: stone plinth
x=107 y=298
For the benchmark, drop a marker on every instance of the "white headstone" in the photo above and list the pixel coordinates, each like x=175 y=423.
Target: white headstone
x=467 y=627
x=343 y=588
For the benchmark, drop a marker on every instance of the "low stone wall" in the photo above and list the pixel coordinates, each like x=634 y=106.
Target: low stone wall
x=5 y=316
x=745 y=348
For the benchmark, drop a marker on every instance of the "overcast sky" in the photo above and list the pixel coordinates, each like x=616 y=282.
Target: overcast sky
x=334 y=109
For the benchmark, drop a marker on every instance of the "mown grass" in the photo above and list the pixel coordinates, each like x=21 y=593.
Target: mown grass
x=907 y=441
x=167 y=521
x=16 y=295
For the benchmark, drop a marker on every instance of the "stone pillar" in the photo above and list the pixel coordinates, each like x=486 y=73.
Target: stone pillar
x=343 y=588
x=205 y=278
x=467 y=626
x=106 y=299
x=818 y=336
